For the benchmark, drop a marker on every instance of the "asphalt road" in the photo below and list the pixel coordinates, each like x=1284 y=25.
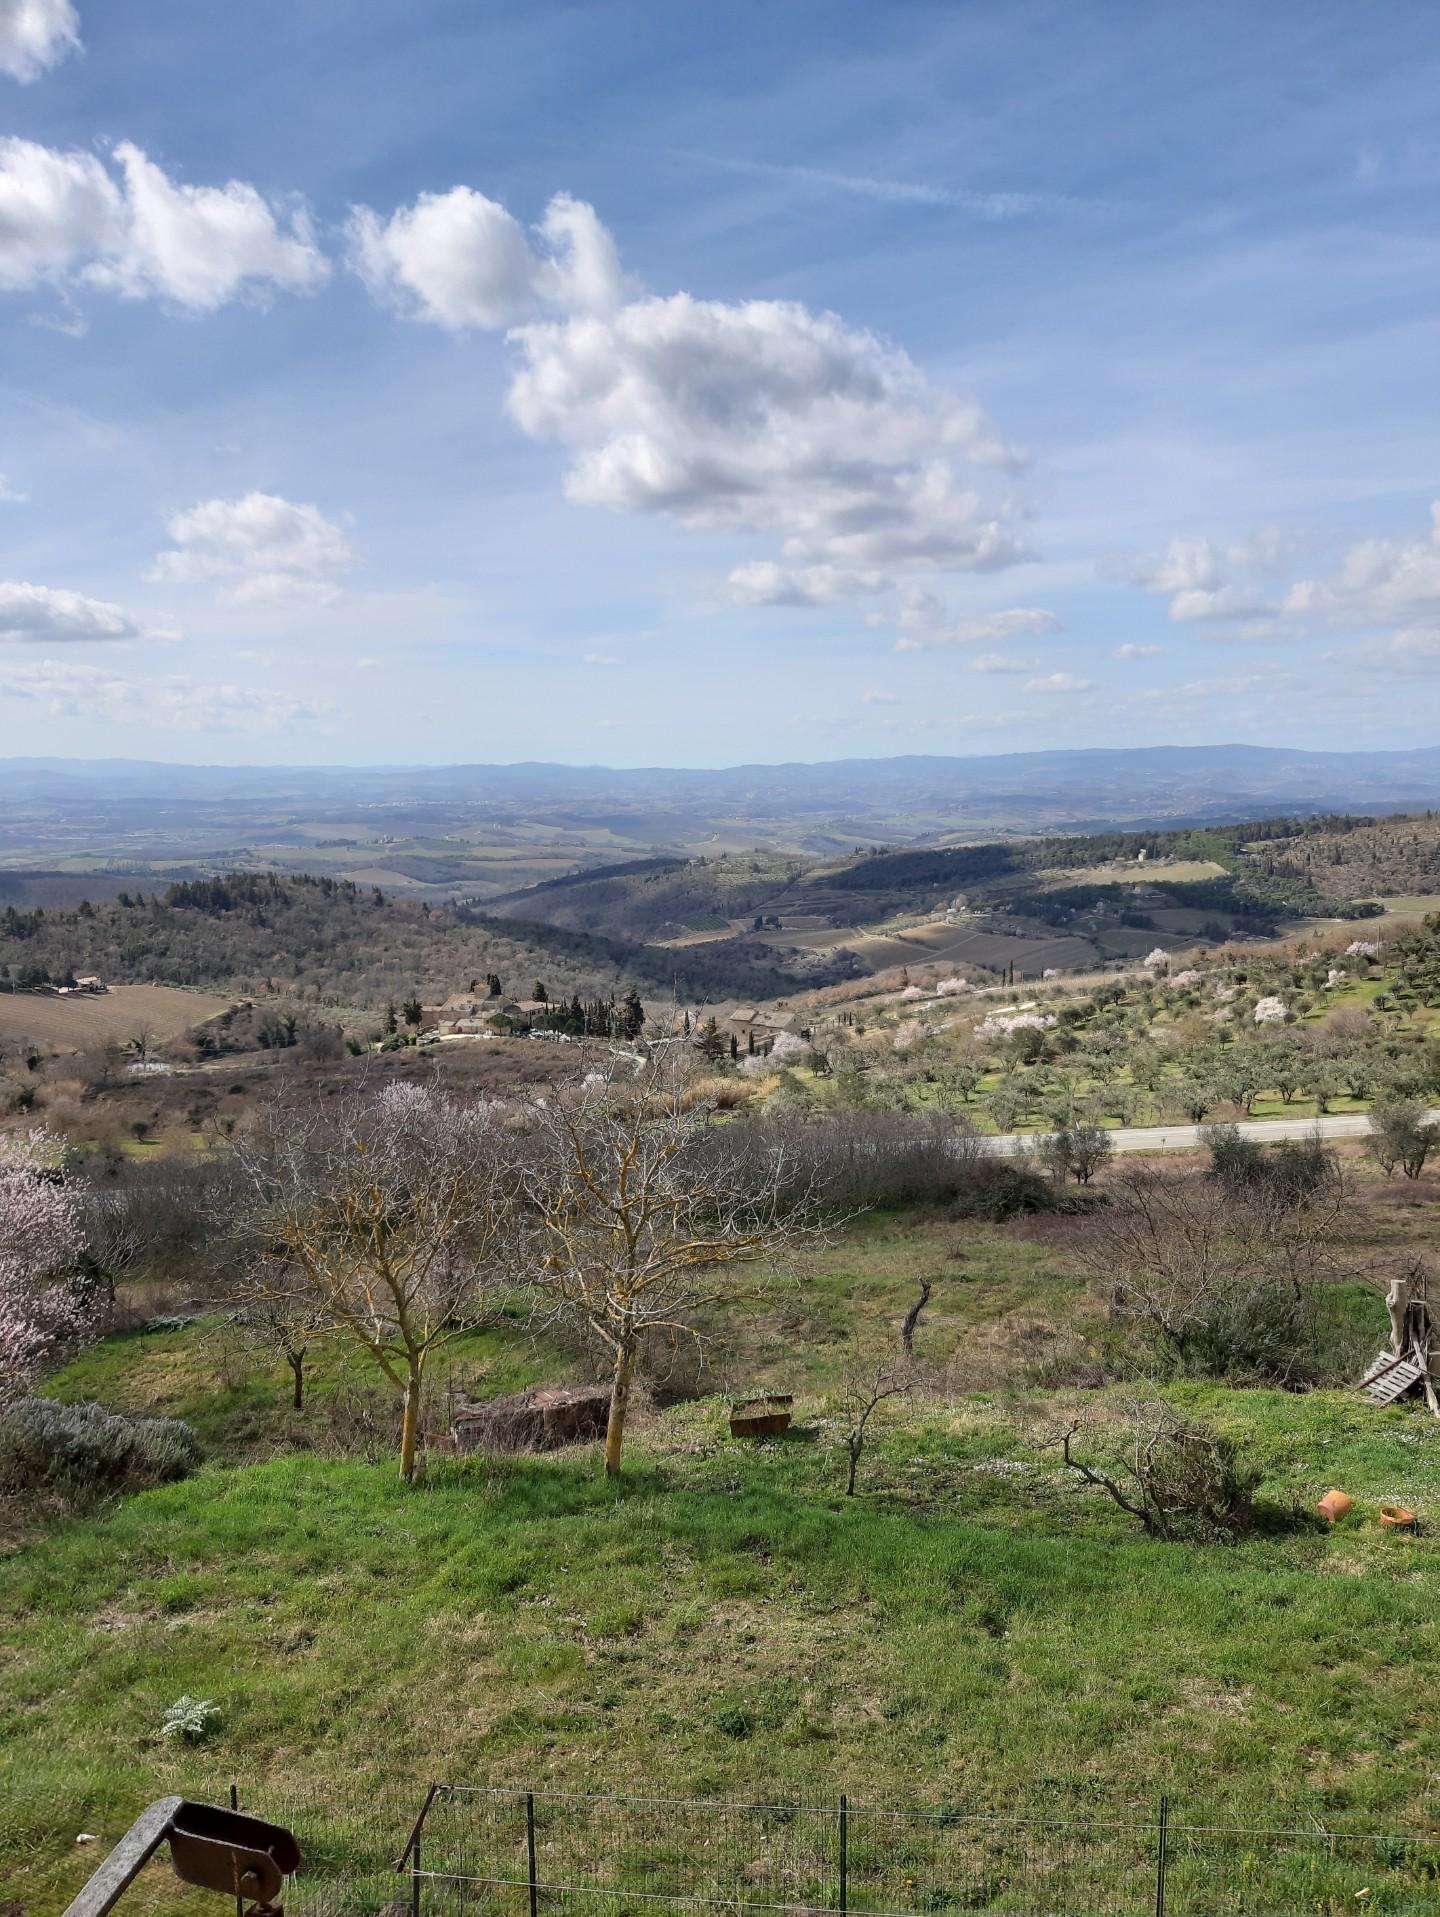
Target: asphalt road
x=1186 y=1138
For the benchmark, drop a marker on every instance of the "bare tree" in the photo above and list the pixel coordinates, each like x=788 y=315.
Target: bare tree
x=1222 y=1280
x=912 y=1318
x=641 y=1209
x=287 y=1323
x=869 y=1382
x=381 y=1217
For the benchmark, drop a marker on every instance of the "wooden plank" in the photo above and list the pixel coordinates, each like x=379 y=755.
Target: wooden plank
x=1394 y=1382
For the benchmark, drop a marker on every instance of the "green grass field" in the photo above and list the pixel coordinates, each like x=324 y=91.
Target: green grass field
x=974 y=1629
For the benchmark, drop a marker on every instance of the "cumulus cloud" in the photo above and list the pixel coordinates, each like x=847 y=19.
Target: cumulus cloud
x=269 y=549
x=925 y=621
x=36 y=35
x=47 y=614
x=754 y=416
x=1382 y=581
x=70 y=218
x=11 y=495
x=1137 y=652
x=1209 y=582
x=173 y=703
x=460 y=260
x=600 y=659
x=877 y=696
x=763 y=417
x=1059 y=682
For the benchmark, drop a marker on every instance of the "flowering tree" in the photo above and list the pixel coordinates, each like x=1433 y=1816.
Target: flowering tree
x=1270 y=1011
x=789 y=1047
x=42 y=1309
x=380 y=1217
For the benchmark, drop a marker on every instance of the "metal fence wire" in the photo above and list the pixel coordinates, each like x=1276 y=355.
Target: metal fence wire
x=469 y=1850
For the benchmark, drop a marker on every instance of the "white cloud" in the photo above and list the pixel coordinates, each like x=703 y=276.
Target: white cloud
x=460 y=260
x=764 y=418
x=11 y=495
x=270 y=548
x=756 y=416
x=1059 y=682
x=1207 y=582
x=600 y=659
x=1002 y=662
x=1384 y=581
x=1137 y=652
x=764 y=583
x=875 y=696
x=66 y=220
x=173 y=703
x=46 y=614
x=925 y=621
x=36 y=35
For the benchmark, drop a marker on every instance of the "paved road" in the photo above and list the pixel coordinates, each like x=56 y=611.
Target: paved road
x=1186 y=1138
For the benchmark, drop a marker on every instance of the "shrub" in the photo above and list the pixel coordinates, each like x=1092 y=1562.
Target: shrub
x=1288 y=1176
x=867 y=1159
x=1179 y=1478
x=188 y=1718
x=83 y=1449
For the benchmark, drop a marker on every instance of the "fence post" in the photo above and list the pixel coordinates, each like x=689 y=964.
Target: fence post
x=530 y=1852
x=1161 y=1856
x=415 y=1877
x=235 y=1805
x=844 y=1853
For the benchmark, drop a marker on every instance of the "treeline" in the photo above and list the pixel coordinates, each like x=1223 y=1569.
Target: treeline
x=332 y=942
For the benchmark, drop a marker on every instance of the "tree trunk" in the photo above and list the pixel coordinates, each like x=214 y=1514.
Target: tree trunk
x=854 y=1467
x=410 y=1428
x=296 y=1362
x=619 y=1408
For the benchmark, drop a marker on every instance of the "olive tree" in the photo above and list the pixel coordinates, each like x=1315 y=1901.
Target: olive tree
x=1402 y=1133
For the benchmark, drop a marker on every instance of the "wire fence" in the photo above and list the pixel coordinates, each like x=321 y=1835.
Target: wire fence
x=476 y=1850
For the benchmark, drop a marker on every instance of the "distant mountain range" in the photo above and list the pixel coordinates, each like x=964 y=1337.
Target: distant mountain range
x=1006 y=791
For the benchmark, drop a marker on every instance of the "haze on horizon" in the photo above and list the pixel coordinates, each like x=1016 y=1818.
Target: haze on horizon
x=610 y=385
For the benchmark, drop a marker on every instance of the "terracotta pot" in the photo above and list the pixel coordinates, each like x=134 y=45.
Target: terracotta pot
x=1395 y=1517
x=1334 y=1505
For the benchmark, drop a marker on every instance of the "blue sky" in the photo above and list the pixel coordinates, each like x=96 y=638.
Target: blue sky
x=654 y=384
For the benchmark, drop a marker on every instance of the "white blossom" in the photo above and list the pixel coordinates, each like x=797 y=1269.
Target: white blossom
x=1002 y=1024
x=1363 y=948
x=1271 y=1011
x=950 y=987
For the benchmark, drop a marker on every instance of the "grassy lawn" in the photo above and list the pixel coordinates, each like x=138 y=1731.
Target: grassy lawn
x=975 y=1628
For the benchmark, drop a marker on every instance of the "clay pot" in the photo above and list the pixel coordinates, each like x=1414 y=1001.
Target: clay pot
x=1334 y=1505
x=1394 y=1517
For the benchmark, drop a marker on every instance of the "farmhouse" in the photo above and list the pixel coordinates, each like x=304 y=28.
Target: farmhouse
x=755 y=1031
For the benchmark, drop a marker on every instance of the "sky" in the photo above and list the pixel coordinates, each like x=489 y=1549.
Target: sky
x=625 y=383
